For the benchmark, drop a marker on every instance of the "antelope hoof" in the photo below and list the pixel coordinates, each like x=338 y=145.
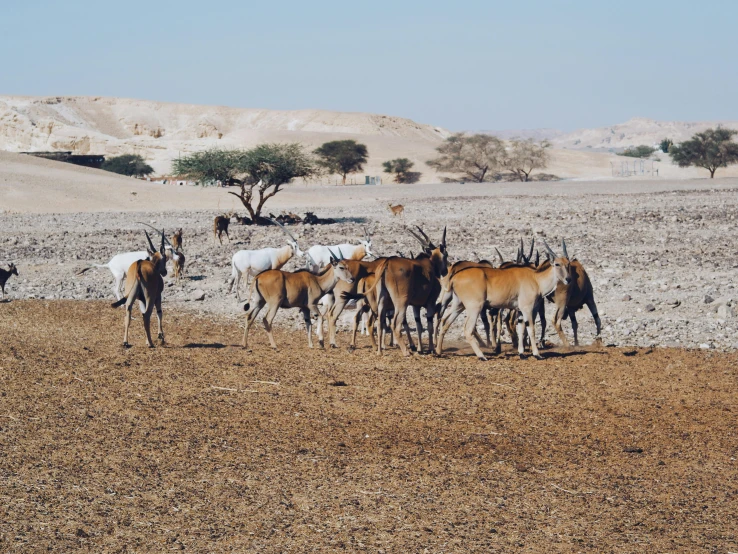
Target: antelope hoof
x=523 y=356
x=482 y=358
x=322 y=344
x=333 y=345
x=537 y=356
x=126 y=345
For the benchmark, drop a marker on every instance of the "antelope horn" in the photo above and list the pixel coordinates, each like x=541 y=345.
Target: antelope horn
x=161 y=248
x=367 y=236
x=563 y=248
x=499 y=256
x=519 y=255
x=157 y=230
x=443 y=239
x=151 y=244
x=548 y=249
x=423 y=243
x=530 y=254
x=312 y=261
x=426 y=237
x=538 y=258
x=285 y=231
x=333 y=255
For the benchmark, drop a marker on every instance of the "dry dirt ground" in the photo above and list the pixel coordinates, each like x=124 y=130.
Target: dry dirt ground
x=202 y=447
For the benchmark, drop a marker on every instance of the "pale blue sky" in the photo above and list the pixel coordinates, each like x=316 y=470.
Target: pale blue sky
x=461 y=65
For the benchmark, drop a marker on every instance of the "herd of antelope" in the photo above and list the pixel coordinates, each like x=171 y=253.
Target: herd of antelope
x=510 y=296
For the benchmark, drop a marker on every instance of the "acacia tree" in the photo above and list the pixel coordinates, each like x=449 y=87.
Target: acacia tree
x=342 y=157
x=474 y=156
x=401 y=167
x=211 y=166
x=132 y=165
x=710 y=150
x=523 y=156
x=260 y=172
x=268 y=167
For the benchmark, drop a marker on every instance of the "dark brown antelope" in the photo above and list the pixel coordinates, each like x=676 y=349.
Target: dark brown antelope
x=177 y=240
x=145 y=283
x=220 y=226
x=5 y=275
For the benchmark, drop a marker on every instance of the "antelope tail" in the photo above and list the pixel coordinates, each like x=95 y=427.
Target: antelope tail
x=377 y=279
x=119 y=303
x=93 y=266
x=254 y=284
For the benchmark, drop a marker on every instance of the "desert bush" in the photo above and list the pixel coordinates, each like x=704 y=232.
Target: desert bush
x=401 y=167
x=132 y=165
x=665 y=144
x=641 y=151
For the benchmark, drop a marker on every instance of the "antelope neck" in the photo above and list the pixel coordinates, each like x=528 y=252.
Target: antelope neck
x=546 y=280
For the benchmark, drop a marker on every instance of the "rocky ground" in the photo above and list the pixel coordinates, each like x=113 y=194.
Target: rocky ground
x=663 y=264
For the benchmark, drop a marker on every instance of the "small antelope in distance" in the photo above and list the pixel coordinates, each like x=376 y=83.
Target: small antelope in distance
x=145 y=283
x=396 y=210
x=178 y=264
x=5 y=275
x=220 y=226
x=303 y=290
x=519 y=287
x=177 y=240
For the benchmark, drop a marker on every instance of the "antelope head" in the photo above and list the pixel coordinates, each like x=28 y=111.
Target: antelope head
x=12 y=269
x=559 y=264
x=159 y=259
x=367 y=243
x=340 y=269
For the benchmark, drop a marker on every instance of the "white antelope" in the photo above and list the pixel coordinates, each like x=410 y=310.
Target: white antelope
x=254 y=262
x=517 y=287
x=300 y=289
x=322 y=254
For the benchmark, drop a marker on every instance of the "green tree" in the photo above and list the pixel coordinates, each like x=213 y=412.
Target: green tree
x=401 y=168
x=523 y=156
x=342 y=157
x=474 y=156
x=132 y=165
x=665 y=144
x=260 y=172
x=211 y=166
x=641 y=151
x=710 y=150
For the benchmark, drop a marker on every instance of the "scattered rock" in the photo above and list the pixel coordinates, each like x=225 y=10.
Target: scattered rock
x=708 y=299
x=197 y=296
x=650 y=308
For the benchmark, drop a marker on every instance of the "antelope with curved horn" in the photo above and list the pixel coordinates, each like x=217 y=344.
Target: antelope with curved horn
x=254 y=262
x=519 y=287
x=276 y=289
x=322 y=254
x=145 y=283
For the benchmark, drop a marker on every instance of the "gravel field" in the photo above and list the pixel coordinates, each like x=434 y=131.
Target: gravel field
x=663 y=263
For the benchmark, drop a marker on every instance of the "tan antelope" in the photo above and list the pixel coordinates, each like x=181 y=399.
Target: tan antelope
x=396 y=210
x=220 y=226
x=5 y=275
x=413 y=283
x=177 y=240
x=145 y=283
x=276 y=289
x=519 y=287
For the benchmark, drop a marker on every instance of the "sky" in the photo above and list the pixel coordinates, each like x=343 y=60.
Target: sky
x=463 y=65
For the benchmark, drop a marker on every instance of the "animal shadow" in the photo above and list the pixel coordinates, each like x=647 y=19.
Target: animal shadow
x=204 y=345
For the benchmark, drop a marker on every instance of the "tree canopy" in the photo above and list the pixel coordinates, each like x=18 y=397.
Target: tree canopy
x=132 y=165
x=401 y=169
x=259 y=172
x=523 y=156
x=342 y=157
x=710 y=150
x=475 y=157
x=640 y=151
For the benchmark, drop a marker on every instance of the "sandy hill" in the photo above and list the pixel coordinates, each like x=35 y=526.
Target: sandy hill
x=162 y=131
x=633 y=132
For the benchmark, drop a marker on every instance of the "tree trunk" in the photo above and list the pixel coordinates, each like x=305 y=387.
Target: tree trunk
x=344 y=179
x=712 y=173
x=481 y=177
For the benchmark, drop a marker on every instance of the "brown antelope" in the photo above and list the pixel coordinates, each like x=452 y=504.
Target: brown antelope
x=303 y=290
x=177 y=240
x=178 y=264
x=145 y=283
x=396 y=210
x=413 y=283
x=573 y=297
x=220 y=226
x=522 y=288
x=5 y=275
